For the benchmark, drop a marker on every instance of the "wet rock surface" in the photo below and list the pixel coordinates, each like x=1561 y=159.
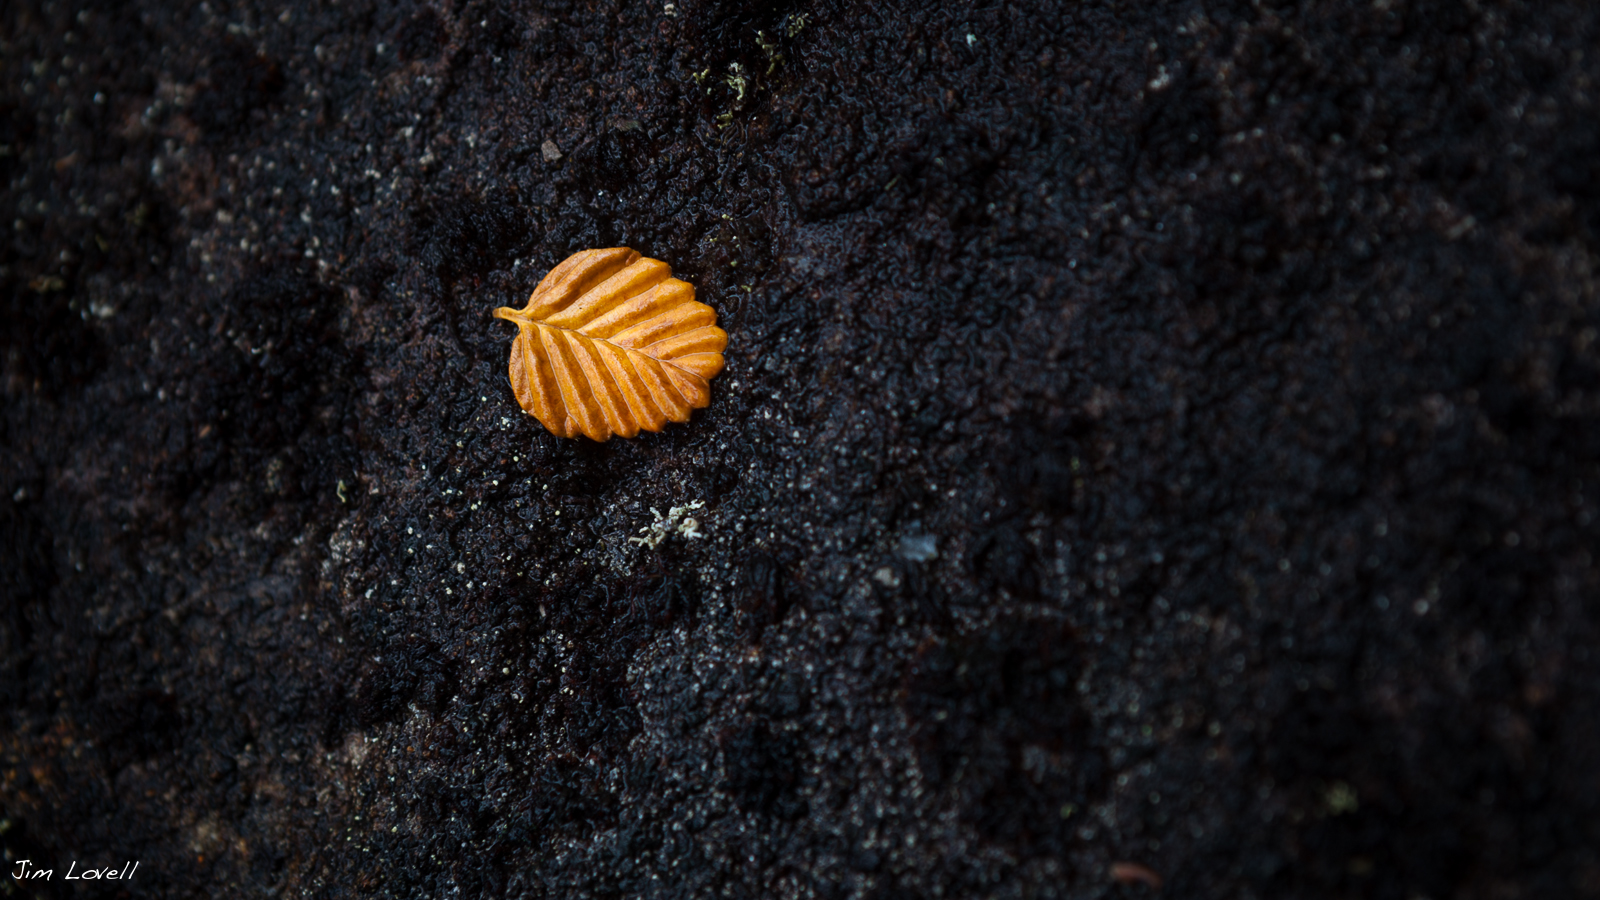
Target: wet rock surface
x=1154 y=435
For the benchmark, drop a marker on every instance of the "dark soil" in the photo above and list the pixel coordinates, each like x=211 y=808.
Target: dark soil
x=1152 y=433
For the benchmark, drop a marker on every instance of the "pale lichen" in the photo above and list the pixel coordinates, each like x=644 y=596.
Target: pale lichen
x=676 y=521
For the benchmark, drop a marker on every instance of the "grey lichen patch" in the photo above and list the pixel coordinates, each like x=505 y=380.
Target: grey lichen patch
x=676 y=521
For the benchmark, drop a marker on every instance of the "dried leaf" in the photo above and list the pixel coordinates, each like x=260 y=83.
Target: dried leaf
x=611 y=343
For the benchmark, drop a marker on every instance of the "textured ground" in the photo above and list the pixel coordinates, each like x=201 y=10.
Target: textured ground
x=1155 y=433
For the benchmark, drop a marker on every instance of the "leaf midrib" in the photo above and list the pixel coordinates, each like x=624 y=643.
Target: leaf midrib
x=534 y=323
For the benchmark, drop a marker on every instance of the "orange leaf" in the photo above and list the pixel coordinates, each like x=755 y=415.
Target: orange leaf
x=610 y=343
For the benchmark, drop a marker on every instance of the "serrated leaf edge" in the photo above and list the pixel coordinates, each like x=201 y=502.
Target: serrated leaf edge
x=582 y=367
